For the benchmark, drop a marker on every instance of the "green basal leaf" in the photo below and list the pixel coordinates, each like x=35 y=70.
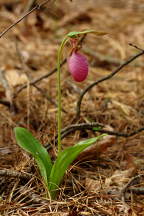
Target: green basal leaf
x=64 y=159
x=42 y=169
x=30 y=144
x=76 y=33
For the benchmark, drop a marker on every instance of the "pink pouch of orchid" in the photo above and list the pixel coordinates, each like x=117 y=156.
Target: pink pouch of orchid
x=78 y=66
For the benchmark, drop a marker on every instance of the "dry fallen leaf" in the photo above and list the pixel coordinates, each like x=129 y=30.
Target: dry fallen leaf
x=120 y=178
x=14 y=78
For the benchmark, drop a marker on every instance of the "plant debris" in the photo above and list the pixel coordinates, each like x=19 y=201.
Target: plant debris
x=107 y=178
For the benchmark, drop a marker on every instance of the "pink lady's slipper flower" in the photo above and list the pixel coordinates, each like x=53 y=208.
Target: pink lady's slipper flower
x=78 y=66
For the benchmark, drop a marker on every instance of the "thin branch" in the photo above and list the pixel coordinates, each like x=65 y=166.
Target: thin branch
x=13 y=173
x=37 y=7
x=78 y=107
x=74 y=127
x=138 y=191
x=39 y=79
x=135 y=46
x=29 y=5
x=131 y=182
x=90 y=126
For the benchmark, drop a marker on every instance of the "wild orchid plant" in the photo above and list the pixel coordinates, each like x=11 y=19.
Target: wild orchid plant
x=52 y=173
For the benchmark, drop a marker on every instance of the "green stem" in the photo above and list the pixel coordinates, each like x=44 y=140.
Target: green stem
x=59 y=91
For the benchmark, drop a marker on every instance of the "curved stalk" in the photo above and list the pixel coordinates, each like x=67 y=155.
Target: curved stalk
x=59 y=91
x=68 y=36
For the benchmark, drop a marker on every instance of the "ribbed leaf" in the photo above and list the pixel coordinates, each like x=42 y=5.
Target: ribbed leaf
x=64 y=159
x=30 y=144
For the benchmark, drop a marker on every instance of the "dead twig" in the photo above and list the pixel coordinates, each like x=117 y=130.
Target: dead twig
x=131 y=59
x=29 y=5
x=39 y=79
x=15 y=174
x=90 y=126
x=131 y=182
x=83 y=126
x=138 y=191
x=37 y=7
x=135 y=46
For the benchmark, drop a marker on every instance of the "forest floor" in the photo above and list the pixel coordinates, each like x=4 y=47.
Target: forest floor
x=109 y=178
